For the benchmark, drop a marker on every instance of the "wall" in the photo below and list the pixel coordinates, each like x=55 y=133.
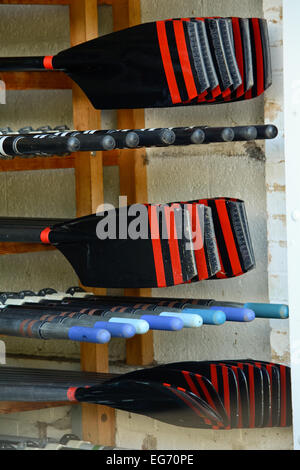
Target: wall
x=237 y=170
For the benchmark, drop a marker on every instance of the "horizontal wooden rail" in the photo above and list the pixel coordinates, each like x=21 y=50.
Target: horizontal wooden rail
x=18 y=406
x=11 y=248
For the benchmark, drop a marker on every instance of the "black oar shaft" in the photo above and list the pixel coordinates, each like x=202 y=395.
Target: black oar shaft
x=21 y=63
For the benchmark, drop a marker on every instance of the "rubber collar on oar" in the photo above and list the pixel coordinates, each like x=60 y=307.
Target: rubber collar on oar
x=48 y=62
x=269 y=310
x=117 y=330
x=236 y=314
x=44 y=236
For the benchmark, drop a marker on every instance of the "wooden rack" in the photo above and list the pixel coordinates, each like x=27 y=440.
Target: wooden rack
x=98 y=422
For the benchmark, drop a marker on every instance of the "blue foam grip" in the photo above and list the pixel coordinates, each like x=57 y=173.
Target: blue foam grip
x=269 y=310
x=236 y=314
x=157 y=322
x=209 y=316
x=89 y=335
x=117 y=330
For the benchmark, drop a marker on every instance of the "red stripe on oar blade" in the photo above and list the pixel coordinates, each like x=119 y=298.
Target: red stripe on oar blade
x=44 y=236
x=214 y=377
x=167 y=61
x=228 y=237
x=156 y=245
x=173 y=245
x=47 y=62
x=184 y=59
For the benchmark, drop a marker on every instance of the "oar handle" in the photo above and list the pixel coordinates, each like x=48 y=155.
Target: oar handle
x=11 y=146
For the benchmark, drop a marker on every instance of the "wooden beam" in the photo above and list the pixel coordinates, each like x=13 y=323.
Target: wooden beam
x=133 y=177
x=49 y=2
x=19 y=406
x=110 y=158
x=43 y=80
x=11 y=248
x=98 y=422
x=37 y=163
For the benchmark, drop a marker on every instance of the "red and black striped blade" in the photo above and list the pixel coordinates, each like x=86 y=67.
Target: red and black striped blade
x=243 y=395
x=161 y=401
x=193 y=383
x=254 y=377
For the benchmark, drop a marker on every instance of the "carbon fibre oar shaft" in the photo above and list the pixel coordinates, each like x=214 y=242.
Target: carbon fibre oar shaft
x=11 y=146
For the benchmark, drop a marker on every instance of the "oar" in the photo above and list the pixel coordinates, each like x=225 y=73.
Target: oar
x=162 y=63
x=221 y=394
x=159 y=256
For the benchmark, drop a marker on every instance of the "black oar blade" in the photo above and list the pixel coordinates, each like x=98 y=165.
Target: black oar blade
x=160 y=401
x=161 y=256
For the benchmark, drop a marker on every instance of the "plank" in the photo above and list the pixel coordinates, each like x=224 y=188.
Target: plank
x=11 y=248
x=133 y=177
x=98 y=422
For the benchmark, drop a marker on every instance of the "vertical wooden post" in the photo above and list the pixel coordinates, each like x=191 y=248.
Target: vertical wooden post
x=98 y=422
x=133 y=176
